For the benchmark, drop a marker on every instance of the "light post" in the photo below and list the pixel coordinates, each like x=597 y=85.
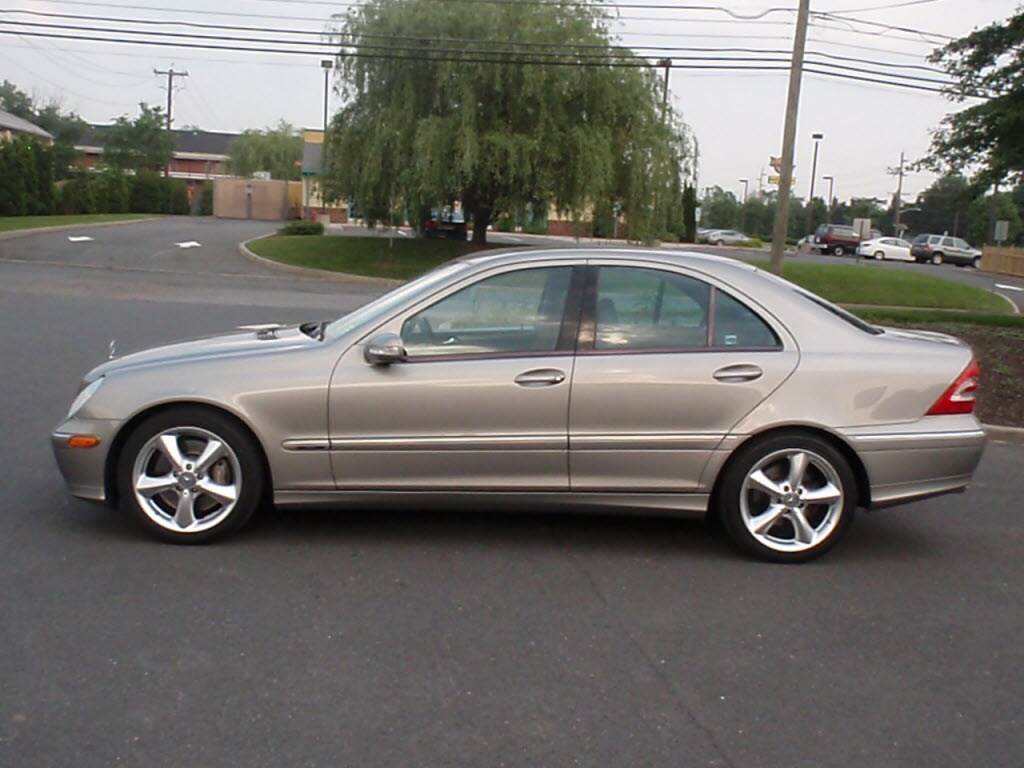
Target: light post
x=327 y=65
x=814 y=171
x=831 y=180
x=744 y=182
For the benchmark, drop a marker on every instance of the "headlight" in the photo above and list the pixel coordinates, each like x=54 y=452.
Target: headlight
x=83 y=397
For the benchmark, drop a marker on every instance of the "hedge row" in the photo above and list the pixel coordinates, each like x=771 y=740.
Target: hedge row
x=28 y=187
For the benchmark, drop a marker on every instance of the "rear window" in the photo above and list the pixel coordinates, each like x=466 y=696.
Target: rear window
x=921 y=239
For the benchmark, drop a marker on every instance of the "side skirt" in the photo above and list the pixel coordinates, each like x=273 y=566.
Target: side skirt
x=690 y=505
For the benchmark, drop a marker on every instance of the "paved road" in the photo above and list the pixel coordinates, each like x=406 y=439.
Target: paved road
x=405 y=639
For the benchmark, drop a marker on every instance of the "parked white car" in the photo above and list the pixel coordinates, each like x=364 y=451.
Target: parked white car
x=882 y=248
x=727 y=237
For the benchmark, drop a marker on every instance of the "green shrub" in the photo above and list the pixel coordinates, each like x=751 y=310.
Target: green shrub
x=302 y=228
x=206 y=200
x=753 y=242
x=176 y=197
x=147 y=193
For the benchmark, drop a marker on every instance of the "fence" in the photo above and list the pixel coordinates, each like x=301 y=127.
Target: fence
x=256 y=199
x=1004 y=261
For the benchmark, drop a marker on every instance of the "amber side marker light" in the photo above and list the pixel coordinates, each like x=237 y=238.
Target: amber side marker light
x=83 y=441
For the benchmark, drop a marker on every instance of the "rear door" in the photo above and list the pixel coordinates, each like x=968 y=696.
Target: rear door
x=666 y=365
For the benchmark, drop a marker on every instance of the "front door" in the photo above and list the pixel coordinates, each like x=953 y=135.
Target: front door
x=666 y=366
x=481 y=402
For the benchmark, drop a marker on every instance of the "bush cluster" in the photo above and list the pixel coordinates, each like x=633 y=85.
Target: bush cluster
x=302 y=228
x=28 y=187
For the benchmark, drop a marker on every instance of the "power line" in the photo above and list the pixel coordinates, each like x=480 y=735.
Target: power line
x=324 y=48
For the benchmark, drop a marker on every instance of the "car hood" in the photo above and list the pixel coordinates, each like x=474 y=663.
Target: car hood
x=246 y=342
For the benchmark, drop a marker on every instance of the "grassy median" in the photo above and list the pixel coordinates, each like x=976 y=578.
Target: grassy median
x=398 y=257
x=11 y=223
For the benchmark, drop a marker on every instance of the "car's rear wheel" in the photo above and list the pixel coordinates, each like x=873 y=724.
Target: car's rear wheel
x=787 y=498
x=839 y=250
x=936 y=258
x=190 y=475
x=879 y=255
x=976 y=262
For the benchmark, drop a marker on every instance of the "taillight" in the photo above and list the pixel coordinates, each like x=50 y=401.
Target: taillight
x=959 y=398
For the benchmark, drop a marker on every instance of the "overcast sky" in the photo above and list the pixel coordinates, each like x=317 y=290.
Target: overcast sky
x=737 y=116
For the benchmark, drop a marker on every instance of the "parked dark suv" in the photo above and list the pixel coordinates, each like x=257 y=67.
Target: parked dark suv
x=838 y=239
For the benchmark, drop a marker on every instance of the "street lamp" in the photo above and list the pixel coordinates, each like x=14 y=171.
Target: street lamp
x=744 y=182
x=831 y=180
x=328 y=65
x=814 y=170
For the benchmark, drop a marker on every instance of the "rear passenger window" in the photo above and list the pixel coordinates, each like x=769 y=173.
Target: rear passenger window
x=736 y=325
x=650 y=309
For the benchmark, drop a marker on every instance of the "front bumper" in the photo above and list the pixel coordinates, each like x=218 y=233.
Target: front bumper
x=84 y=469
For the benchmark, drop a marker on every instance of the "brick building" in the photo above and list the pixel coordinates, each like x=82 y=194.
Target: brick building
x=199 y=156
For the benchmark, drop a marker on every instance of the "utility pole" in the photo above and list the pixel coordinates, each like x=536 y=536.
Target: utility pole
x=899 y=198
x=789 y=137
x=171 y=74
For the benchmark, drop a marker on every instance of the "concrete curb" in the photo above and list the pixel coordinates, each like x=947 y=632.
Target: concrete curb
x=18 y=233
x=312 y=274
x=998 y=434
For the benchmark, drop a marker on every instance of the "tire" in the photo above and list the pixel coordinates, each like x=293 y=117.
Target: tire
x=937 y=259
x=720 y=242
x=797 y=531
x=976 y=262
x=190 y=475
x=879 y=255
x=839 y=251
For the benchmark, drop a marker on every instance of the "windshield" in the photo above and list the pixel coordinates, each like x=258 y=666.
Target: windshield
x=379 y=309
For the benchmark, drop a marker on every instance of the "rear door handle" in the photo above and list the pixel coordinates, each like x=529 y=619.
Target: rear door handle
x=542 y=377
x=737 y=374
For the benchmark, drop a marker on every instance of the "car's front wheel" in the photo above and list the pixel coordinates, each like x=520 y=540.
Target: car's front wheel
x=787 y=498
x=190 y=475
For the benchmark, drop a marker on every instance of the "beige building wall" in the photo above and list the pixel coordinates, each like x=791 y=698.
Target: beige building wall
x=256 y=199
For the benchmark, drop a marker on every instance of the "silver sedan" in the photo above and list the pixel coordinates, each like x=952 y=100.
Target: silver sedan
x=680 y=384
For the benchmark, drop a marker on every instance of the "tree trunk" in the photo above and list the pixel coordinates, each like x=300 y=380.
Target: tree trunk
x=481 y=219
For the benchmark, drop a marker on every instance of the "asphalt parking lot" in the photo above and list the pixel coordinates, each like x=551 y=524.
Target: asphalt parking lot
x=459 y=638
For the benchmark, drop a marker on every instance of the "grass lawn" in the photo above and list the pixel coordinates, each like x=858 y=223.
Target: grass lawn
x=398 y=257
x=867 y=285
x=10 y=223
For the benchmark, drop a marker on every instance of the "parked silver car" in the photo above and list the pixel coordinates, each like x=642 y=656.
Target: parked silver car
x=611 y=379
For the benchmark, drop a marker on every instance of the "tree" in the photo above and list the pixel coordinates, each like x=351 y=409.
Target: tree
x=549 y=117
x=277 y=150
x=987 y=65
x=943 y=206
x=16 y=101
x=140 y=144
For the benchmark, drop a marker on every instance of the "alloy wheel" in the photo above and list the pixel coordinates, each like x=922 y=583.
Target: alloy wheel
x=186 y=479
x=791 y=500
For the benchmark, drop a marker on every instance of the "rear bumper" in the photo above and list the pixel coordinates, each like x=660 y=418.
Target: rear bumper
x=908 y=462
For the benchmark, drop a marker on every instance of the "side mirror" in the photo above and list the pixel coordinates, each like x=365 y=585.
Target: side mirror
x=385 y=350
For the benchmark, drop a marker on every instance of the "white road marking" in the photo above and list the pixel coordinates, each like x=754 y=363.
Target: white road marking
x=79 y=239
x=188 y=244
x=1008 y=287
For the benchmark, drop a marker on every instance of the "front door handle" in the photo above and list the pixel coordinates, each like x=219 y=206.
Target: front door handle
x=737 y=374
x=541 y=377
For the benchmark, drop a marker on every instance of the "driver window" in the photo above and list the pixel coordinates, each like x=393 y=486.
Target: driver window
x=514 y=312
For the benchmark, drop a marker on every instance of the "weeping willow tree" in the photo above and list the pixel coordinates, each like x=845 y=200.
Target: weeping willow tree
x=495 y=106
